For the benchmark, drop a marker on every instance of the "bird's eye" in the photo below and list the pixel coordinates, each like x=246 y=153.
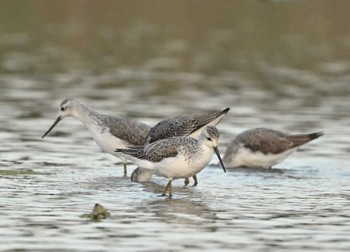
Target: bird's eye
x=62 y=108
x=208 y=138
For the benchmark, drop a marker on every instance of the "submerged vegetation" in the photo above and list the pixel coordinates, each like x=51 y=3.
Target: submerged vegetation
x=98 y=213
x=21 y=172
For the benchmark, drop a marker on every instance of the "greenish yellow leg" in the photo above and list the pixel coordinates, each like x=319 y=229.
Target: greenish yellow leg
x=168 y=188
x=125 y=170
x=195 y=180
x=187 y=181
x=165 y=189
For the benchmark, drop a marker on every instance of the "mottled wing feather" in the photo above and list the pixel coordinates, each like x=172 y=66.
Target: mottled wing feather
x=128 y=130
x=202 y=120
x=161 y=149
x=135 y=151
x=181 y=125
x=156 y=151
x=177 y=126
x=265 y=141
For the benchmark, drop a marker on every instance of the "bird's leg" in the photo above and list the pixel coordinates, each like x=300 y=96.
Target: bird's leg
x=195 y=180
x=168 y=188
x=125 y=170
x=187 y=181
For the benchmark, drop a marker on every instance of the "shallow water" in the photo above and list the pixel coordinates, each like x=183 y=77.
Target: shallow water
x=276 y=64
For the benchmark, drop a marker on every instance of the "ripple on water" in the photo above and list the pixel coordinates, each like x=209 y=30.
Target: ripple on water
x=297 y=85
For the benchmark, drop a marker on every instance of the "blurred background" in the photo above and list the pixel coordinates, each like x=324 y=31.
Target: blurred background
x=279 y=64
x=275 y=63
x=260 y=55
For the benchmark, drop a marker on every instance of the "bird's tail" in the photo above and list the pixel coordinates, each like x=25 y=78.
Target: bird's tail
x=301 y=139
x=137 y=152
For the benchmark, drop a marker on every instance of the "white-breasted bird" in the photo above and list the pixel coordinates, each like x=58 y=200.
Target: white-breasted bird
x=263 y=148
x=177 y=157
x=183 y=125
x=109 y=132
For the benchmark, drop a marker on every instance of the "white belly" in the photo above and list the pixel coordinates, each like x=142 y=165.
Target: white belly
x=108 y=143
x=179 y=167
x=247 y=158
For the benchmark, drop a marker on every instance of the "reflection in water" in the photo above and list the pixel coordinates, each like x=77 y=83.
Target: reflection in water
x=252 y=170
x=179 y=212
x=276 y=64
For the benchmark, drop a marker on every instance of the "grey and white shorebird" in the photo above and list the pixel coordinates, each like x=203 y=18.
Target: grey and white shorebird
x=109 y=132
x=263 y=148
x=183 y=125
x=177 y=157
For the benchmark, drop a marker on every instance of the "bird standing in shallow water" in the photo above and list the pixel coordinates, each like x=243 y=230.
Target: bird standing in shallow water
x=177 y=157
x=183 y=125
x=109 y=132
x=263 y=148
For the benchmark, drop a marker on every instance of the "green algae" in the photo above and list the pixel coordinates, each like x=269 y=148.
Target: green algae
x=21 y=172
x=98 y=213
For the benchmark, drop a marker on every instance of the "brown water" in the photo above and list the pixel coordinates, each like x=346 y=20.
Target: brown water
x=276 y=64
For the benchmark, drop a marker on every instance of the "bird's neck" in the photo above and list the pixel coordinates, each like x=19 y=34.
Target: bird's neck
x=86 y=115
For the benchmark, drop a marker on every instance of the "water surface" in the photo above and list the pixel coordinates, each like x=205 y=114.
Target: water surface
x=277 y=64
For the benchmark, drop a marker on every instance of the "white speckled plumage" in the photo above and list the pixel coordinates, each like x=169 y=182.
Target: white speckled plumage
x=177 y=157
x=183 y=125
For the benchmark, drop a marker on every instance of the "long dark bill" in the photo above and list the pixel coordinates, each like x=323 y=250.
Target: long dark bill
x=53 y=125
x=218 y=154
